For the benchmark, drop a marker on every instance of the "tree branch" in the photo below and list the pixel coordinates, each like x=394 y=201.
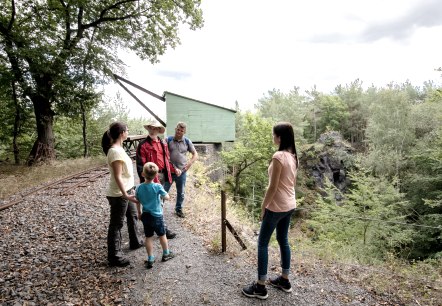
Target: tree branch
x=11 y=21
x=106 y=19
x=67 y=23
x=103 y=13
x=248 y=165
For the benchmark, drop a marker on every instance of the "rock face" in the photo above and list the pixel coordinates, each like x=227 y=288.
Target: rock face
x=329 y=158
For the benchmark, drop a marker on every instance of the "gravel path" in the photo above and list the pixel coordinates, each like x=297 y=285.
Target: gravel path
x=53 y=252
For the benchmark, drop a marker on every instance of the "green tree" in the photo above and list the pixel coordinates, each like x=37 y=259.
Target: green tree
x=288 y=107
x=390 y=132
x=423 y=180
x=247 y=160
x=424 y=188
x=312 y=115
x=354 y=98
x=43 y=42
x=326 y=113
x=16 y=119
x=370 y=220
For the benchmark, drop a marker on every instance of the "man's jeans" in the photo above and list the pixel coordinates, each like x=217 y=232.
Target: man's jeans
x=120 y=208
x=280 y=221
x=180 y=182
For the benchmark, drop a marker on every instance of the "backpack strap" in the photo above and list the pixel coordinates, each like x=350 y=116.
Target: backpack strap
x=170 y=138
x=187 y=142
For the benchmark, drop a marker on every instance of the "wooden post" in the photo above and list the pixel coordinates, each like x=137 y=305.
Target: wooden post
x=223 y=223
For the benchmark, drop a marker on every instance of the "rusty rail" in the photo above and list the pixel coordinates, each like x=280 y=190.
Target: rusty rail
x=75 y=180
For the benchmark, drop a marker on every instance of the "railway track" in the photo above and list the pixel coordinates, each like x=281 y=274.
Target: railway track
x=63 y=186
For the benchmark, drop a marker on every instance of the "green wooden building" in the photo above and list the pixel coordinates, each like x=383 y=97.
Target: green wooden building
x=206 y=123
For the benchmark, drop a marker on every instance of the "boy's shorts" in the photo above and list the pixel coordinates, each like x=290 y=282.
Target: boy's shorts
x=153 y=225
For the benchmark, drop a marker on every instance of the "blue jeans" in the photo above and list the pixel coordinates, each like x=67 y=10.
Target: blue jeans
x=280 y=221
x=180 y=182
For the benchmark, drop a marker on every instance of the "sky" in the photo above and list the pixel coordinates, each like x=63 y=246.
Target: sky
x=248 y=47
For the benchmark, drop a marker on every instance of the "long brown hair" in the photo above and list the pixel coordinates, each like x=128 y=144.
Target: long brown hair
x=112 y=134
x=285 y=131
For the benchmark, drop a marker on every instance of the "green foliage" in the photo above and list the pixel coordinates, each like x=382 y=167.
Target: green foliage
x=68 y=130
x=356 y=102
x=289 y=107
x=325 y=113
x=424 y=188
x=58 y=51
x=248 y=159
x=390 y=132
x=369 y=221
x=19 y=113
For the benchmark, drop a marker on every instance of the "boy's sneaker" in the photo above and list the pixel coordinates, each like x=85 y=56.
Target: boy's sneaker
x=281 y=283
x=168 y=256
x=255 y=290
x=149 y=263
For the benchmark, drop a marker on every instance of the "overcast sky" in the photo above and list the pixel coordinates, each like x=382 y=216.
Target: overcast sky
x=248 y=47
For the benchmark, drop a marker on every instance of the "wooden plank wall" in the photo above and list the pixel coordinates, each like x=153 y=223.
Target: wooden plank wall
x=206 y=123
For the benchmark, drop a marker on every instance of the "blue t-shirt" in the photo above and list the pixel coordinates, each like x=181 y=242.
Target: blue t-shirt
x=149 y=195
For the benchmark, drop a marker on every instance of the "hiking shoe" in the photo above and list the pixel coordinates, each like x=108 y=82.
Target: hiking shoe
x=168 y=256
x=180 y=213
x=281 y=283
x=255 y=290
x=149 y=264
x=123 y=262
x=137 y=246
x=170 y=234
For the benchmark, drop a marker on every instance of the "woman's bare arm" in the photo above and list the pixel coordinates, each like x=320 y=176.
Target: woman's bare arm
x=273 y=184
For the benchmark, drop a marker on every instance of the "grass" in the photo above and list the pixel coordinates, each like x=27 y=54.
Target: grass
x=14 y=179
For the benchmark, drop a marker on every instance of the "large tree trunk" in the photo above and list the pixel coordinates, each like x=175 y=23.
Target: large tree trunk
x=43 y=149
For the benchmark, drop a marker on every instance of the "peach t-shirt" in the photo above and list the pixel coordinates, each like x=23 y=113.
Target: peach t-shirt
x=284 y=198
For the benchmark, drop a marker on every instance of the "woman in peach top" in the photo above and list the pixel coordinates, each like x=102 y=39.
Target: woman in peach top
x=277 y=207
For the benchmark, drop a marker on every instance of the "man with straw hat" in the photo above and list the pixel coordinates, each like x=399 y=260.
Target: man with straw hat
x=154 y=149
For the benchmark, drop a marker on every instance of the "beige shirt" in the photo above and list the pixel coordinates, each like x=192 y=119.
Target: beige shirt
x=284 y=198
x=127 y=175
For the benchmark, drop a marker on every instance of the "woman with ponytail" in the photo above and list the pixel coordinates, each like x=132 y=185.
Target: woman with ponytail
x=119 y=195
x=277 y=207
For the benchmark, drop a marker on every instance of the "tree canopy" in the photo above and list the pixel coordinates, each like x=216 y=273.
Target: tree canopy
x=45 y=45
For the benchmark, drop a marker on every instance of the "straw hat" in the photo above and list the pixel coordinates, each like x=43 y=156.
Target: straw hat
x=155 y=124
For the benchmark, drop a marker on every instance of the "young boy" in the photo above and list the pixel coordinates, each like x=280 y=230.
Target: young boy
x=150 y=196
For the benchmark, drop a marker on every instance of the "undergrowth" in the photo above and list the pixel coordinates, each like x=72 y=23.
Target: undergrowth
x=409 y=283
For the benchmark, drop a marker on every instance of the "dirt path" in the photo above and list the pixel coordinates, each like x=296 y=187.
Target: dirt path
x=197 y=277
x=53 y=252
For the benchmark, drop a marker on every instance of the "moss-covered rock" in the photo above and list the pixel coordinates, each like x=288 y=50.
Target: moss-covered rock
x=330 y=157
